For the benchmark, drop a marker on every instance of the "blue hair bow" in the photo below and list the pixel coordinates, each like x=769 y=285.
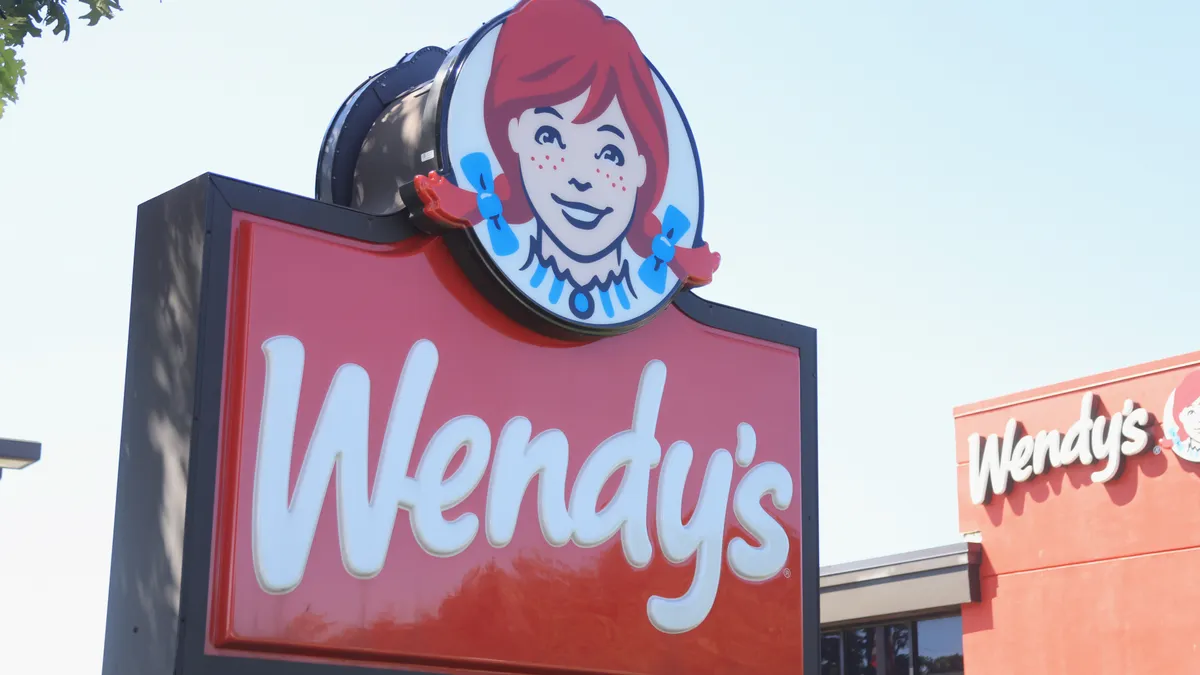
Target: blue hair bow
x=653 y=271
x=477 y=170
x=1173 y=434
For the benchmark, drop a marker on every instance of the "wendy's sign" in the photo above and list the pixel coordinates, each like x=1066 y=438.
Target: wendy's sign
x=284 y=516
x=370 y=439
x=1098 y=438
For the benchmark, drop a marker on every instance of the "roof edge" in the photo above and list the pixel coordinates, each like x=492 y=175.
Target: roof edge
x=1079 y=384
x=950 y=555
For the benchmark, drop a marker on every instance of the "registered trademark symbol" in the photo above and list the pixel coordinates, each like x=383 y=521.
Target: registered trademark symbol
x=787 y=574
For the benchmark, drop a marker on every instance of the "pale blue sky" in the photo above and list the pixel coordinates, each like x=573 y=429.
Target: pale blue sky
x=965 y=199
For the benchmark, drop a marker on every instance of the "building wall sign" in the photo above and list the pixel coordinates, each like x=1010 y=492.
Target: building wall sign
x=1017 y=457
x=1000 y=461
x=462 y=412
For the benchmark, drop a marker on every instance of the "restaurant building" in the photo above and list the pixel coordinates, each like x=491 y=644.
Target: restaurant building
x=1080 y=515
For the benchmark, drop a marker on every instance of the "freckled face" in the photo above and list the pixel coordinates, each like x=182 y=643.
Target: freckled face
x=581 y=179
x=1189 y=419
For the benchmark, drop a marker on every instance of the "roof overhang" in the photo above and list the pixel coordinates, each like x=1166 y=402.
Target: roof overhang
x=16 y=454
x=929 y=581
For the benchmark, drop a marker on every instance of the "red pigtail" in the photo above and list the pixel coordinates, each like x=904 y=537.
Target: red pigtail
x=695 y=266
x=456 y=207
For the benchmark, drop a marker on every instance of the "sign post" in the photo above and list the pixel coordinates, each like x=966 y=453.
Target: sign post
x=464 y=413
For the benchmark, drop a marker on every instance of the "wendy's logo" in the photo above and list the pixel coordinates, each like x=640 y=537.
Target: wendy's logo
x=1181 y=419
x=556 y=163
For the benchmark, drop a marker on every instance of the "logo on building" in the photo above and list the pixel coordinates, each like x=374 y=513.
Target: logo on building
x=1181 y=419
x=999 y=462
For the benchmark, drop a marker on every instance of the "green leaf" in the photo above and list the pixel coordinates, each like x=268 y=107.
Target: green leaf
x=62 y=24
x=12 y=72
x=100 y=9
x=20 y=19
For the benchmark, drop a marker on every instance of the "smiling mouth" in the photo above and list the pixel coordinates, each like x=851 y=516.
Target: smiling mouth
x=580 y=215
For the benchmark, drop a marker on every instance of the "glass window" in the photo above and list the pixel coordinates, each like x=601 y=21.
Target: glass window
x=831 y=654
x=860 y=652
x=899 y=649
x=939 y=646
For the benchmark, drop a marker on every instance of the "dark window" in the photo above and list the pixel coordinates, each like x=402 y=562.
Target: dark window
x=925 y=647
x=860 y=651
x=831 y=654
x=939 y=646
x=899 y=649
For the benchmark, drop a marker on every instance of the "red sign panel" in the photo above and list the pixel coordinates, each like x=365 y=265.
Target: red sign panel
x=408 y=477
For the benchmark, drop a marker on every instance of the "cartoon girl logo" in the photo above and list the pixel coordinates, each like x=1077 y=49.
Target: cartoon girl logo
x=1181 y=418
x=558 y=153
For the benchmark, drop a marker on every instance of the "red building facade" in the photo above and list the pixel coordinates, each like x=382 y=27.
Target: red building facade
x=1087 y=553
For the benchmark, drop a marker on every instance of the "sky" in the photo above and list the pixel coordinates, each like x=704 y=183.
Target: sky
x=964 y=199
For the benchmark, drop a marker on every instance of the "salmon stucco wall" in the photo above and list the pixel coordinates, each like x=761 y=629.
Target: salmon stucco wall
x=1082 y=572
